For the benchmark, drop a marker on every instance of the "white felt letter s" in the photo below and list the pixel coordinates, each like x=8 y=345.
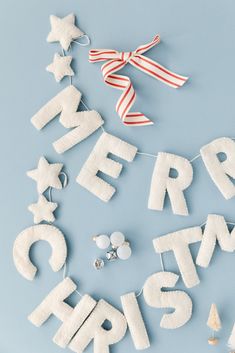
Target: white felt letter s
x=179 y=300
x=219 y=171
x=162 y=183
x=28 y=237
x=98 y=161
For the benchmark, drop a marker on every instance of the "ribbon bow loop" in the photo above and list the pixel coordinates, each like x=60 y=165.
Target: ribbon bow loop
x=116 y=61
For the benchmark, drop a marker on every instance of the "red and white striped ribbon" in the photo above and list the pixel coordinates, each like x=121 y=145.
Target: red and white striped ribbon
x=116 y=61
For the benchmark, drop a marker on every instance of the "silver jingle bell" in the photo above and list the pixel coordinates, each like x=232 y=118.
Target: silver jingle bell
x=98 y=264
x=111 y=255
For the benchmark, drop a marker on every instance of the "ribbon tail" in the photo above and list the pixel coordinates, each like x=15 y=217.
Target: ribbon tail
x=158 y=71
x=125 y=104
x=136 y=119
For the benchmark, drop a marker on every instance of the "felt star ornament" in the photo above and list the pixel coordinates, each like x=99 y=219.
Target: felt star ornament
x=46 y=175
x=43 y=210
x=63 y=30
x=60 y=67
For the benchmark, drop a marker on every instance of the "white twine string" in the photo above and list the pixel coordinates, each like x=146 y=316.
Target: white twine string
x=65 y=183
x=147 y=154
x=229 y=223
x=88 y=41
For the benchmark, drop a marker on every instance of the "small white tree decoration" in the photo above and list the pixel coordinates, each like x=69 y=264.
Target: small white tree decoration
x=214 y=323
x=231 y=341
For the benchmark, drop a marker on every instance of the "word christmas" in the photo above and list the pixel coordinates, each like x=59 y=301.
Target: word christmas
x=85 y=123
x=84 y=322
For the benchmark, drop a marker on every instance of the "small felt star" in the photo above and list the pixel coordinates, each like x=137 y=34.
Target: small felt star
x=60 y=67
x=63 y=30
x=43 y=210
x=46 y=175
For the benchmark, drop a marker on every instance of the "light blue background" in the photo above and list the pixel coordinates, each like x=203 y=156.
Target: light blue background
x=197 y=40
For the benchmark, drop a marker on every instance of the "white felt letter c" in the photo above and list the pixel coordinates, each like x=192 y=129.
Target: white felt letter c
x=28 y=237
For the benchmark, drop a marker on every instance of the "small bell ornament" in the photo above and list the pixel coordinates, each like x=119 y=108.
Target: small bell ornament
x=214 y=323
x=98 y=264
x=111 y=255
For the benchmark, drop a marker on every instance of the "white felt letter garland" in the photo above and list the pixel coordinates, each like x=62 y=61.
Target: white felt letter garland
x=98 y=161
x=83 y=123
x=179 y=300
x=179 y=242
x=135 y=321
x=28 y=237
x=162 y=183
x=92 y=329
x=220 y=171
x=215 y=230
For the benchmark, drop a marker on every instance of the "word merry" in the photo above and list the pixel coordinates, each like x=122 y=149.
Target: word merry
x=83 y=124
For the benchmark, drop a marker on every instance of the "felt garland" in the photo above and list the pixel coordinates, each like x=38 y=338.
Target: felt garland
x=84 y=322
x=86 y=123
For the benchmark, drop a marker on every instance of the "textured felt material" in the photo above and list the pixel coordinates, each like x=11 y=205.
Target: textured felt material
x=66 y=102
x=98 y=161
x=221 y=171
x=71 y=325
x=157 y=298
x=54 y=304
x=135 y=321
x=215 y=230
x=178 y=242
x=162 y=183
x=46 y=175
x=43 y=210
x=60 y=67
x=92 y=329
x=28 y=237
x=63 y=30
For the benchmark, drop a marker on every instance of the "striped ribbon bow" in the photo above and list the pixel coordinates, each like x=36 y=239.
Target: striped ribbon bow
x=116 y=61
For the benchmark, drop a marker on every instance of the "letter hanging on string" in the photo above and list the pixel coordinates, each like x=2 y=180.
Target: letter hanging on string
x=135 y=321
x=221 y=171
x=179 y=242
x=162 y=183
x=28 y=237
x=116 y=61
x=179 y=300
x=98 y=161
x=215 y=230
x=72 y=318
x=92 y=329
x=83 y=123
